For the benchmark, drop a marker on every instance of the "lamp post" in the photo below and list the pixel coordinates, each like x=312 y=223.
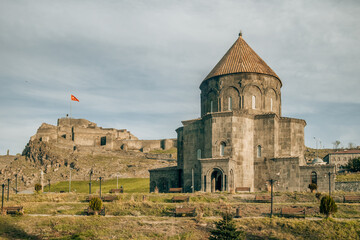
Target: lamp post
x=8 y=189
x=2 y=197
x=100 y=185
x=16 y=191
x=329 y=174
x=49 y=185
x=91 y=172
x=272 y=181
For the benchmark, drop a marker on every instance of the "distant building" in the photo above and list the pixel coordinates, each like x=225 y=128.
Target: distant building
x=241 y=139
x=341 y=158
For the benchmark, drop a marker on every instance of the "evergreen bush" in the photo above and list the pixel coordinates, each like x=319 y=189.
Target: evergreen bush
x=95 y=204
x=226 y=229
x=312 y=187
x=38 y=187
x=327 y=206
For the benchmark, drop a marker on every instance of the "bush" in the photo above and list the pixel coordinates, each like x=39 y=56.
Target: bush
x=95 y=204
x=354 y=165
x=318 y=195
x=327 y=206
x=312 y=187
x=38 y=187
x=226 y=229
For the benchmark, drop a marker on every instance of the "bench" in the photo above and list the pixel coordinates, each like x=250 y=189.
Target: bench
x=108 y=198
x=89 y=211
x=351 y=199
x=185 y=212
x=19 y=210
x=242 y=189
x=262 y=199
x=292 y=212
x=175 y=190
x=180 y=199
x=117 y=190
x=103 y=198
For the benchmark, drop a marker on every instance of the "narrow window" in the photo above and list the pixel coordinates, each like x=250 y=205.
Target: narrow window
x=222 y=149
x=314 y=177
x=253 y=102
x=259 y=151
x=271 y=104
x=211 y=106
x=198 y=153
x=230 y=104
x=204 y=183
x=103 y=141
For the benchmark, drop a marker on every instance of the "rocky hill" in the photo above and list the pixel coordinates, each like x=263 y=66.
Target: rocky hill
x=80 y=147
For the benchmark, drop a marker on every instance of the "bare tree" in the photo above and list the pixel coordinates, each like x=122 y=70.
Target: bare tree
x=336 y=144
x=351 y=145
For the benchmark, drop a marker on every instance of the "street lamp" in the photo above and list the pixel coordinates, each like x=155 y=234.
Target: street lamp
x=16 y=191
x=272 y=181
x=91 y=173
x=100 y=184
x=49 y=185
x=329 y=175
x=2 y=197
x=8 y=189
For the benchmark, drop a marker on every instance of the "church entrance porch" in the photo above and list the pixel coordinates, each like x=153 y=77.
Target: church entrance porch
x=216 y=180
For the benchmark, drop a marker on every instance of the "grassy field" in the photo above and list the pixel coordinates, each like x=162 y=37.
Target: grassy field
x=350 y=177
x=131 y=185
x=146 y=215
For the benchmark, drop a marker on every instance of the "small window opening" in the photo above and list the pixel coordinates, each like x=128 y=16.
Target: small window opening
x=222 y=149
x=198 y=153
x=211 y=106
x=314 y=177
x=259 y=151
x=230 y=104
x=253 y=102
x=103 y=141
x=271 y=104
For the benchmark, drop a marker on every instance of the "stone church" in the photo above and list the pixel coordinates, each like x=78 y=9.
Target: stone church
x=241 y=138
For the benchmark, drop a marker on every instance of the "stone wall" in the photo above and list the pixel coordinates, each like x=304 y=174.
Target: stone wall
x=164 y=178
x=322 y=173
x=347 y=186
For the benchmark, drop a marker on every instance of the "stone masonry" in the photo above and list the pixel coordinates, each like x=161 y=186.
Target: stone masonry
x=241 y=139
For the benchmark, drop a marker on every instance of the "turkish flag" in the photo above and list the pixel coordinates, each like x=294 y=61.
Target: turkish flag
x=73 y=98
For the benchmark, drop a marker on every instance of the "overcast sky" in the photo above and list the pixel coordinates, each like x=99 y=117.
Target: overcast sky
x=138 y=64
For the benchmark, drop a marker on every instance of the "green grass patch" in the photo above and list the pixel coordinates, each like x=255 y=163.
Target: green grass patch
x=130 y=185
x=350 y=177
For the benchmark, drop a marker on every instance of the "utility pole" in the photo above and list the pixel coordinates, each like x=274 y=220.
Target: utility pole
x=49 y=185
x=8 y=189
x=91 y=172
x=2 y=197
x=100 y=185
x=16 y=191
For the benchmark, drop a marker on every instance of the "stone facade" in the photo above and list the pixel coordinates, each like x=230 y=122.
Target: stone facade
x=347 y=186
x=241 y=139
x=341 y=158
x=83 y=135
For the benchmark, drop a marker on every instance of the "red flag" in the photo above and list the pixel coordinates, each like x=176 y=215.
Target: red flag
x=73 y=98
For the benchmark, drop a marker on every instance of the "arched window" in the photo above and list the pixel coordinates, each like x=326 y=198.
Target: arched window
x=222 y=148
x=314 y=177
x=211 y=106
x=271 y=104
x=259 y=151
x=198 y=154
x=253 y=102
x=230 y=104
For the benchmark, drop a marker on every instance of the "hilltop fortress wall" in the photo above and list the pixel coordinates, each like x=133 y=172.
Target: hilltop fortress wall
x=83 y=135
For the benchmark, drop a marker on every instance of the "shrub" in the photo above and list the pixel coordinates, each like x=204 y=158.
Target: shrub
x=312 y=187
x=327 y=206
x=354 y=165
x=95 y=204
x=226 y=229
x=318 y=195
x=38 y=187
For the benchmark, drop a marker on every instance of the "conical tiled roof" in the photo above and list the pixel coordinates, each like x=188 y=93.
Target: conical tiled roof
x=240 y=58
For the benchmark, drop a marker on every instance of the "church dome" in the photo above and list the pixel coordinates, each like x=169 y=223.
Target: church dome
x=240 y=58
x=318 y=161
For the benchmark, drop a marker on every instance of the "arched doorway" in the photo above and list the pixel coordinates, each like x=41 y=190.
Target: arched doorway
x=216 y=180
